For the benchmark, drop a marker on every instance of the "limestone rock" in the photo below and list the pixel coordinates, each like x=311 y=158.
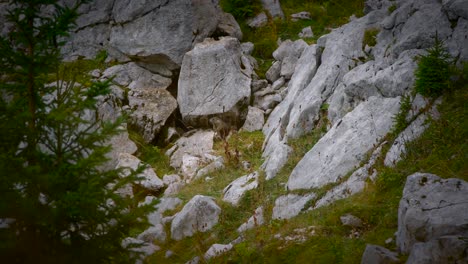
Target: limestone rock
x=216 y=250
x=153 y=233
x=216 y=164
x=151 y=109
x=289 y=48
x=445 y=249
x=201 y=213
x=255 y=120
x=209 y=73
x=176 y=24
x=257 y=219
x=133 y=76
x=345 y=144
x=229 y=27
x=398 y=149
x=354 y=184
x=258 y=21
x=273 y=72
x=379 y=255
x=456 y=8
x=304 y=15
x=273 y=7
x=289 y=206
x=195 y=144
x=306 y=33
x=150 y=180
x=430 y=208
x=168 y=179
x=236 y=189
x=350 y=220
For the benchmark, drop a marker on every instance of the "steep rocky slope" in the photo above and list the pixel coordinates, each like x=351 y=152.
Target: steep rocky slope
x=187 y=82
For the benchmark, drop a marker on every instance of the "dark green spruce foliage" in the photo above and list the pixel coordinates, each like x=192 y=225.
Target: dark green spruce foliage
x=433 y=72
x=241 y=9
x=62 y=208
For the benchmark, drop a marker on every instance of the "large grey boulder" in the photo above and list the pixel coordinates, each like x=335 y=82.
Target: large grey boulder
x=214 y=81
x=289 y=206
x=159 y=32
x=201 y=213
x=196 y=144
x=431 y=208
x=236 y=189
x=150 y=110
x=445 y=249
x=379 y=255
x=345 y=144
x=162 y=31
x=255 y=120
x=273 y=7
x=149 y=179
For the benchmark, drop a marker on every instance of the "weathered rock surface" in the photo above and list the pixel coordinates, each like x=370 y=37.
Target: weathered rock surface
x=140 y=246
x=258 y=21
x=379 y=255
x=216 y=250
x=289 y=206
x=160 y=32
x=255 y=120
x=257 y=219
x=445 y=249
x=354 y=184
x=195 y=144
x=345 y=145
x=201 y=213
x=431 y=208
x=273 y=7
x=236 y=189
x=149 y=180
x=275 y=150
x=350 y=220
x=150 y=110
x=214 y=81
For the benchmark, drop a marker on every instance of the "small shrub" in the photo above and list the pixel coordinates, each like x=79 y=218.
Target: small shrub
x=399 y=121
x=241 y=9
x=370 y=37
x=392 y=8
x=433 y=72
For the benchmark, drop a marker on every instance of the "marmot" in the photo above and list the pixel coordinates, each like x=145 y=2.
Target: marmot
x=221 y=128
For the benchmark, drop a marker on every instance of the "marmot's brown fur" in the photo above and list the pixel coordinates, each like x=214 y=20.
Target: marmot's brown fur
x=221 y=128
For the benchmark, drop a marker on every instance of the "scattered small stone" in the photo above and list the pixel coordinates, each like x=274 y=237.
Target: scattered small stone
x=389 y=241
x=169 y=254
x=304 y=15
x=306 y=33
x=351 y=220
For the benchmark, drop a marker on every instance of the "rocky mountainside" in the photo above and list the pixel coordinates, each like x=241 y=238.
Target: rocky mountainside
x=187 y=83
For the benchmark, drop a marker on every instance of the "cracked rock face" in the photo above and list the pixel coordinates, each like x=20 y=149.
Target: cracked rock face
x=199 y=214
x=430 y=208
x=159 y=31
x=345 y=145
x=214 y=81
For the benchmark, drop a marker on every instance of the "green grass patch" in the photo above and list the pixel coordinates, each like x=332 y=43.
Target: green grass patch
x=325 y=15
x=370 y=37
